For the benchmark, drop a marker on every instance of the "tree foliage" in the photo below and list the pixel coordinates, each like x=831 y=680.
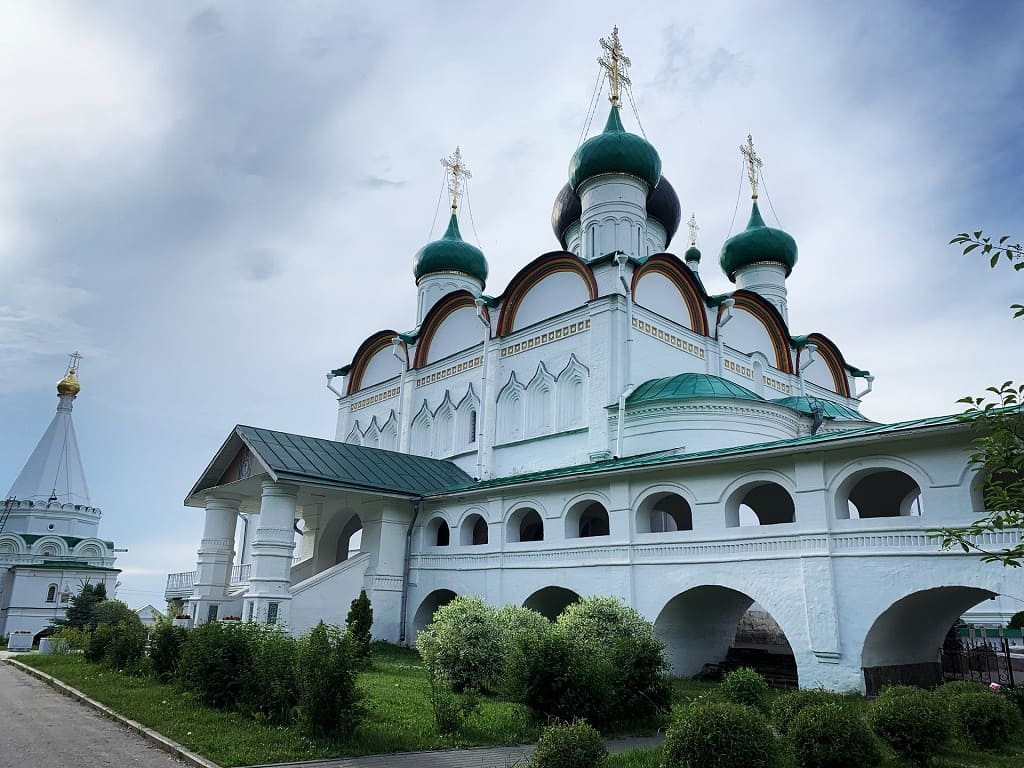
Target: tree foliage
x=997 y=452
x=82 y=607
x=359 y=622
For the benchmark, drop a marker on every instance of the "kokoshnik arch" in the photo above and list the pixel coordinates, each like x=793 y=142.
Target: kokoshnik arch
x=605 y=426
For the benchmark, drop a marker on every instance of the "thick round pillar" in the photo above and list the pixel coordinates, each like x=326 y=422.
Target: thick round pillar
x=268 y=598
x=216 y=556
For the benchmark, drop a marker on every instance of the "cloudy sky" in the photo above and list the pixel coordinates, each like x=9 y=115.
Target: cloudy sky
x=216 y=203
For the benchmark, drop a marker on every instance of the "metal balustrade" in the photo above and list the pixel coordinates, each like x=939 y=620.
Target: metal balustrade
x=181 y=584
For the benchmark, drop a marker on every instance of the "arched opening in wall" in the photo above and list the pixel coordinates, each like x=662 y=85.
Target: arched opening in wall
x=586 y=519
x=51 y=593
x=760 y=504
x=438 y=533
x=551 y=601
x=349 y=540
x=525 y=524
x=425 y=613
x=709 y=630
x=879 y=493
x=664 y=513
x=989 y=490
x=473 y=531
x=904 y=645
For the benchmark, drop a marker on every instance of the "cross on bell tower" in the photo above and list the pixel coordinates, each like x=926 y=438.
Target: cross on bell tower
x=753 y=164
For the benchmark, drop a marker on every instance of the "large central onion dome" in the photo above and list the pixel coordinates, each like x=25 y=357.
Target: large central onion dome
x=663 y=205
x=615 y=151
x=451 y=254
x=757 y=243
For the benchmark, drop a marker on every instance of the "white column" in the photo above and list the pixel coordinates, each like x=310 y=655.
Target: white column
x=268 y=598
x=216 y=556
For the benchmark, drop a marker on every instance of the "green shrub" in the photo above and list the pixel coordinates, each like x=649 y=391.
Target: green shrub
x=603 y=621
x=98 y=640
x=745 y=686
x=467 y=643
x=1016 y=696
x=126 y=646
x=165 y=645
x=113 y=612
x=914 y=722
x=216 y=662
x=829 y=736
x=569 y=745
x=719 y=735
x=271 y=691
x=786 y=706
x=986 y=718
x=359 y=622
x=74 y=638
x=1017 y=620
x=516 y=621
x=954 y=688
x=558 y=678
x=329 y=703
x=80 y=609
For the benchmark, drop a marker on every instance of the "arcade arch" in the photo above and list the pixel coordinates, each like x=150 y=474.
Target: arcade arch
x=551 y=601
x=760 y=503
x=473 y=531
x=879 y=492
x=586 y=519
x=525 y=524
x=425 y=613
x=664 y=512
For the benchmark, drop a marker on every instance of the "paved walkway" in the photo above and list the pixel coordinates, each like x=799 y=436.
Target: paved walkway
x=477 y=757
x=41 y=728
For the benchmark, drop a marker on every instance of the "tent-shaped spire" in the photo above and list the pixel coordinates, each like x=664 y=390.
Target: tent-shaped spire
x=54 y=470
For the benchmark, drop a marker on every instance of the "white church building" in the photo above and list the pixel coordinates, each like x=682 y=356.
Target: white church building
x=49 y=528
x=605 y=426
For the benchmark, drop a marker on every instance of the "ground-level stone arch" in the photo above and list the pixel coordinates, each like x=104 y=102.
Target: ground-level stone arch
x=551 y=601
x=904 y=642
x=425 y=612
x=699 y=625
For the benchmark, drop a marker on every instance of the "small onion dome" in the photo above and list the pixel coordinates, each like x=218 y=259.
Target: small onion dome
x=757 y=242
x=692 y=254
x=689 y=386
x=69 y=385
x=451 y=254
x=663 y=205
x=615 y=151
x=566 y=212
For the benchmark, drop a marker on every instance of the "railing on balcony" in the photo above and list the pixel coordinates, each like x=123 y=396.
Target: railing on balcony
x=181 y=584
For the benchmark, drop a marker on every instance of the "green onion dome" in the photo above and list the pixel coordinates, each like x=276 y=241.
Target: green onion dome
x=451 y=254
x=692 y=254
x=615 y=151
x=758 y=242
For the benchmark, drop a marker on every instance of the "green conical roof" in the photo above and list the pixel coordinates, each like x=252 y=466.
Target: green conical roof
x=689 y=386
x=758 y=242
x=451 y=254
x=615 y=151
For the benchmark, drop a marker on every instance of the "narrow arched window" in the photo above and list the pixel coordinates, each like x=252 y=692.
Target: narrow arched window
x=472 y=426
x=51 y=593
x=443 y=535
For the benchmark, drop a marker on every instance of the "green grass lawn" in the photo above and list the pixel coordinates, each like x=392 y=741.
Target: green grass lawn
x=399 y=719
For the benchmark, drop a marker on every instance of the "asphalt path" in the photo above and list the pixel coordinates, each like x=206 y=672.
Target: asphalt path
x=41 y=728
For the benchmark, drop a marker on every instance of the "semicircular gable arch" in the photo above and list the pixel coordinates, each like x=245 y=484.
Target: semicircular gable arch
x=440 y=312
x=762 y=311
x=680 y=275
x=369 y=349
x=532 y=274
x=833 y=358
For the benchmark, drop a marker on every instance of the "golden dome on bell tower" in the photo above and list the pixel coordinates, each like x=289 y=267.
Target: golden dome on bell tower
x=69 y=384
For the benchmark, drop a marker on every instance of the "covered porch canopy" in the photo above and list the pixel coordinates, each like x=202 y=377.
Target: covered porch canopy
x=333 y=488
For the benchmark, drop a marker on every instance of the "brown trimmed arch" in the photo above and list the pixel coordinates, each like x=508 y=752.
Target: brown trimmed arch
x=533 y=273
x=830 y=353
x=682 y=278
x=374 y=344
x=772 y=321
x=453 y=301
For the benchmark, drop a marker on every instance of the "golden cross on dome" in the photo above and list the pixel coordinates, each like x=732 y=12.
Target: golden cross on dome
x=753 y=164
x=458 y=173
x=692 y=224
x=615 y=63
x=73 y=365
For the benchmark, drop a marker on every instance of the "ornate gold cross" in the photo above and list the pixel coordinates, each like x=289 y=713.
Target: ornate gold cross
x=73 y=365
x=753 y=164
x=615 y=63
x=692 y=224
x=458 y=173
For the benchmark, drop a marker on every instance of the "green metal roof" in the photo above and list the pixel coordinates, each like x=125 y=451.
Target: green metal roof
x=832 y=410
x=688 y=386
x=300 y=458
x=61 y=565
x=663 y=458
